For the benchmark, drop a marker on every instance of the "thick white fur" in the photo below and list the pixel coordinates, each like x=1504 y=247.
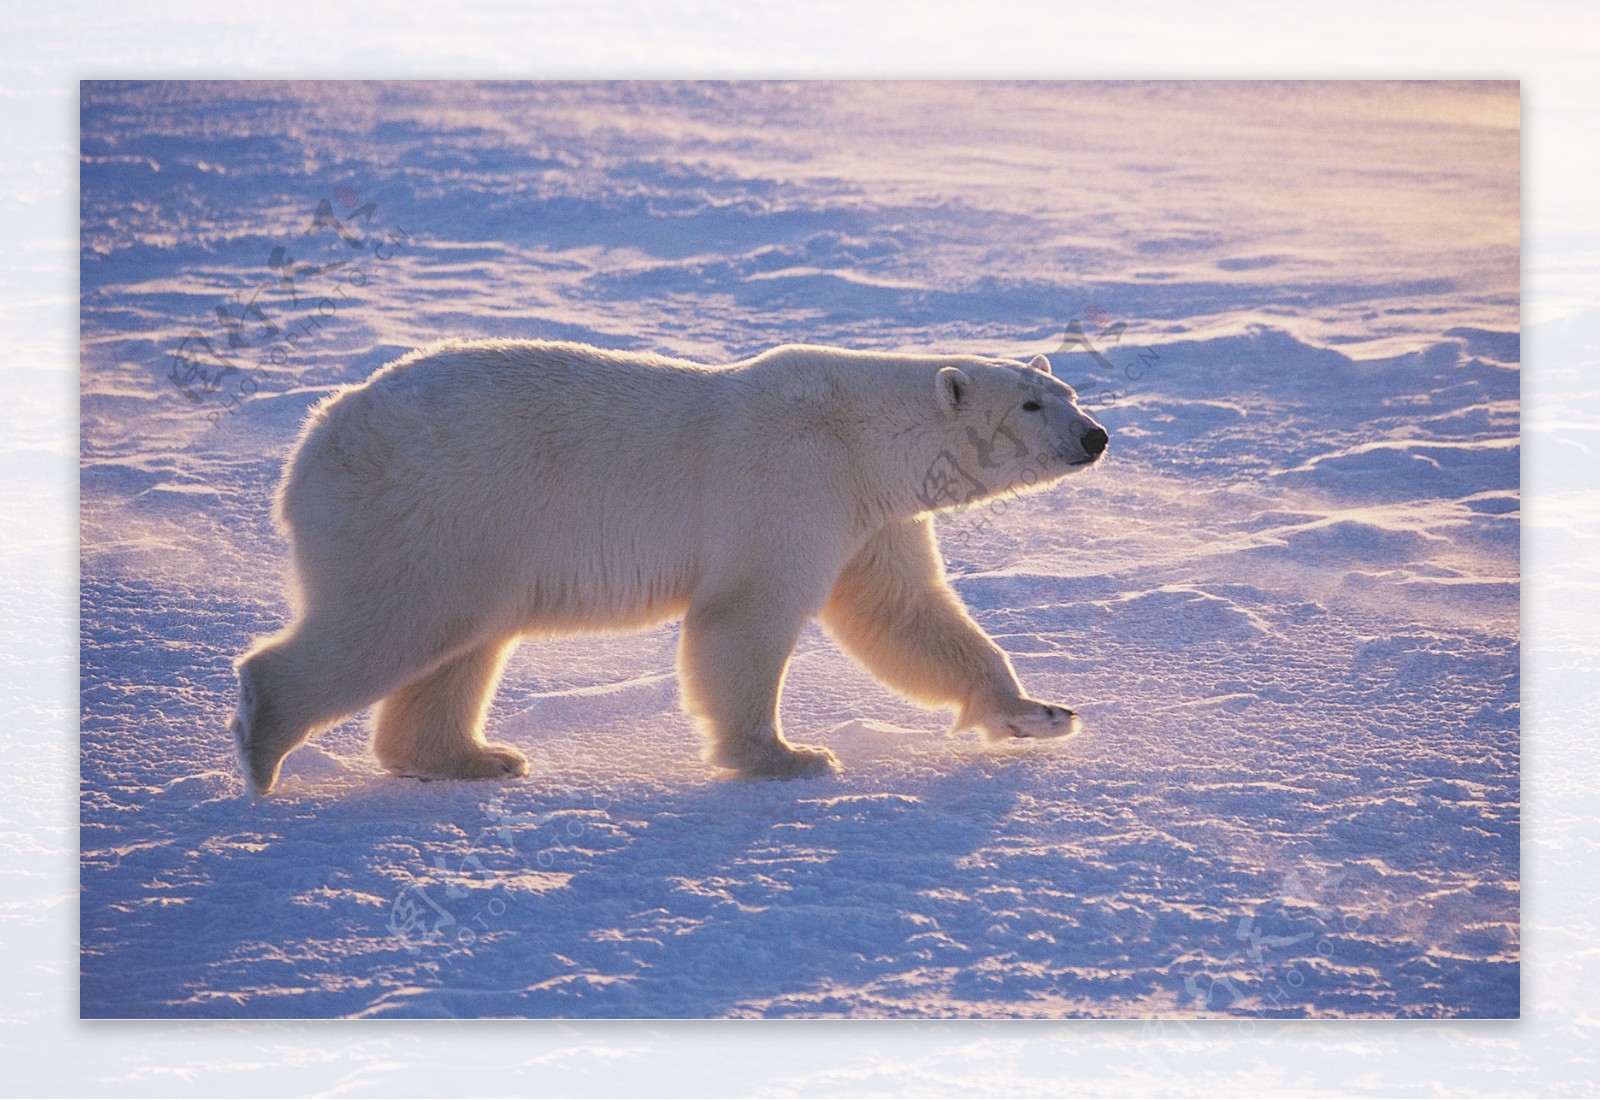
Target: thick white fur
x=469 y=494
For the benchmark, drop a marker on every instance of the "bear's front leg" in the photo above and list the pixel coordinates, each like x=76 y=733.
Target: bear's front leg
x=732 y=656
x=893 y=610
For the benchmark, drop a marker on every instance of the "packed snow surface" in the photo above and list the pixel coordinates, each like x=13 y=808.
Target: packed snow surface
x=1286 y=605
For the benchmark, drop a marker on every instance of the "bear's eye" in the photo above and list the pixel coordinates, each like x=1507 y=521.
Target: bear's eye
x=1030 y=406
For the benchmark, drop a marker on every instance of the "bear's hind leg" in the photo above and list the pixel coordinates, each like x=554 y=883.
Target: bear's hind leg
x=291 y=686
x=263 y=733
x=732 y=656
x=432 y=727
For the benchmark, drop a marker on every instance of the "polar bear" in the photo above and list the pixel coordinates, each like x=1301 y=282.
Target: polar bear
x=475 y=492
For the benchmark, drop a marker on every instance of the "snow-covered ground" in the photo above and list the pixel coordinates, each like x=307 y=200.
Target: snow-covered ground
x=1287 y=606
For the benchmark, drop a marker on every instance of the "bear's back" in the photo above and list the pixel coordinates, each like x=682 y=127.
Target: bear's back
x=510 y=409
x=575 y=479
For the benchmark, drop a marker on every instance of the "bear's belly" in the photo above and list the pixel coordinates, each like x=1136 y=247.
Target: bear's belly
x=575 y=592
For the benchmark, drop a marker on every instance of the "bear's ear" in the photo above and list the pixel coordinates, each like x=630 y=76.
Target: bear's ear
x=952 y=384
x=1039 y=363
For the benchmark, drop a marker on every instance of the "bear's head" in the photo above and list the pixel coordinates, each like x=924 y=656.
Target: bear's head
x=1005 y=427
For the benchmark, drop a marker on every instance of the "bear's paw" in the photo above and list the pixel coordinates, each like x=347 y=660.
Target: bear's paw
x=1031 y=718
x=492 y=760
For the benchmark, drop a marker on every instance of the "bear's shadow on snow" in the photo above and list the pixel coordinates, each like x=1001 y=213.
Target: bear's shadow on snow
x=746 y=896
x=862 y=896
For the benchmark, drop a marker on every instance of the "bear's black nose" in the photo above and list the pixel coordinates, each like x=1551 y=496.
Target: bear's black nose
x=1094 y=441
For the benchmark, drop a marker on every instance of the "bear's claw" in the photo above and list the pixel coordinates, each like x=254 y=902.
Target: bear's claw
x=1030 y=718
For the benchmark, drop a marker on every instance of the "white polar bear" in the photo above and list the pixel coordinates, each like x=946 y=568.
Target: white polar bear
x=471 y=493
